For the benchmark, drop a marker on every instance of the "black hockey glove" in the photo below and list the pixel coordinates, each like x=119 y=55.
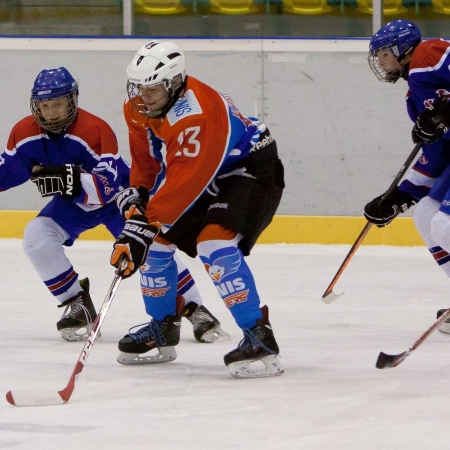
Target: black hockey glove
x=432 y=123
x=383 y=212
x=134 y=241
x=132 y=201
x=62 y=180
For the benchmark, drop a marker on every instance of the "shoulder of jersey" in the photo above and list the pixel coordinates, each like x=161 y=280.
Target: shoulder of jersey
x=87 y=118
x=429 y=53
x=26 y=127
x=197 y=100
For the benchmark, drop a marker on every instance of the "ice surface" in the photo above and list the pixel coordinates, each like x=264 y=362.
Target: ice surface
x=330 y=397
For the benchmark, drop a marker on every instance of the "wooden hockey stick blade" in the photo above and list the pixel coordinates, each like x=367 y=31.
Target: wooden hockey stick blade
x=29 y=397
x=330 y=297
x=386 y=361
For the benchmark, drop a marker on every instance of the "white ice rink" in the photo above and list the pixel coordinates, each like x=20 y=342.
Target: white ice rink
x=330 y=397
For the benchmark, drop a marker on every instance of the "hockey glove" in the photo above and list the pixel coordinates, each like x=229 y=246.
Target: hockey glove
x=132 y=201
x=432 y=123
x=57 y=180
x=383 y=212
x=134 y=241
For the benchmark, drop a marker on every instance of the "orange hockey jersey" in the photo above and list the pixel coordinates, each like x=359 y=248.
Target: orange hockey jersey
x=177 y=157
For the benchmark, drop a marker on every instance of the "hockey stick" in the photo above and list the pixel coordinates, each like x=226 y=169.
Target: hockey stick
x=387 y=361
x=329 y=296
x=42 y=398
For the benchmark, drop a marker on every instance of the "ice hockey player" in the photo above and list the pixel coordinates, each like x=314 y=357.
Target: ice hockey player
x=73 y=157
x=223 y=182
x=398 y=51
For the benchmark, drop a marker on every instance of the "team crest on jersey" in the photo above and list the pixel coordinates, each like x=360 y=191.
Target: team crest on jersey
x=428 y=103
x=423 y=159
x=223 y=266
x=184 y=107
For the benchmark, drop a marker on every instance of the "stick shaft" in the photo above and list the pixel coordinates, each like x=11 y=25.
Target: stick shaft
x=67 y=391
x=396 y=360
x=349 y=256
x=368 y=225
x=47 y=397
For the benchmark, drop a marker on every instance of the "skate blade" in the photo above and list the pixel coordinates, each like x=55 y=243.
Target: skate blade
x=243 y=369
x=214 y=335
x=77 y=334
x=162 y=355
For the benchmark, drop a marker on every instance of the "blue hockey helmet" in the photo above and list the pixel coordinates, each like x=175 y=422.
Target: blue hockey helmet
x=55 y=84
x=399 y=37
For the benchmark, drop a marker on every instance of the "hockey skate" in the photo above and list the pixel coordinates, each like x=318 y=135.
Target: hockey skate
x=159 y=336
x=444 y=327
x=79 y=315
x=258 y=346
x=207 y=328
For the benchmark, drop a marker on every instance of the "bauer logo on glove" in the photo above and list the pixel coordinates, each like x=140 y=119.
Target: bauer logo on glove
x=139 y=230
x=134 y=242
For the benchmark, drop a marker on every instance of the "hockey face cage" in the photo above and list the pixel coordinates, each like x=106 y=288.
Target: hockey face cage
x=173 y=87
x=61 y=124
x=394 y=69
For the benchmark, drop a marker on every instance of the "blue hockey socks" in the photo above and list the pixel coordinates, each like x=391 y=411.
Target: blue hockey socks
x=235 y=284
x=159 y=280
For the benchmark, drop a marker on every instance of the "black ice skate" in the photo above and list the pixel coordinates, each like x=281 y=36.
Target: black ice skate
x=207 y=328
x=258 y=345
x=161 y=336
x=79 y=315
x=444 y=327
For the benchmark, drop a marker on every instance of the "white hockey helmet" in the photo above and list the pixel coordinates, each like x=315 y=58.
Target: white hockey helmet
x=157 y=63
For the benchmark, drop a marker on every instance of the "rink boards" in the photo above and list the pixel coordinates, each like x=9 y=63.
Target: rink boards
x=283 y=229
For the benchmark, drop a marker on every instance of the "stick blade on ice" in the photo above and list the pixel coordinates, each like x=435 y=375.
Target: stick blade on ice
x=34 y=398
x=330 y=297
x=385 y=361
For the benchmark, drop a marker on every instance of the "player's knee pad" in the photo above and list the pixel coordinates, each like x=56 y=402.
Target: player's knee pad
x=424 y=212
x=43 y=233
x=440 y=230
